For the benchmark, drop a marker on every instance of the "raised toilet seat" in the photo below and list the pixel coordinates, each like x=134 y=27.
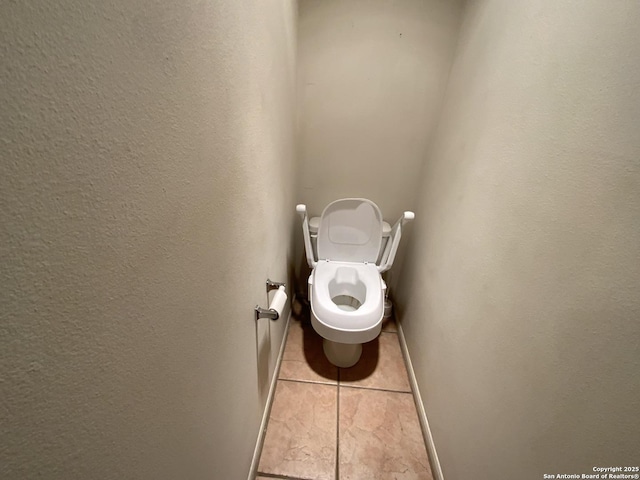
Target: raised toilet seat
x=347 y=301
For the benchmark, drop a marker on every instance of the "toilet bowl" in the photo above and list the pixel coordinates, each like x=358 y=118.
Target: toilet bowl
x=346 y=289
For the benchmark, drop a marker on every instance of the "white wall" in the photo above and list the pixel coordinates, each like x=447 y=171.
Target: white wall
x=147 y=192
x=521 y=301
x=371 y=77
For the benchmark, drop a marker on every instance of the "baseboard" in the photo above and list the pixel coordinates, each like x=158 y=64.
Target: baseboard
x=422 y=414
x=253 y=471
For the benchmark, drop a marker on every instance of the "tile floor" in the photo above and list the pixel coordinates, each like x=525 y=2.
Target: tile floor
x=330 y=423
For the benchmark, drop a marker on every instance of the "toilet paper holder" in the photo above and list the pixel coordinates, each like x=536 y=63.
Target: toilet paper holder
x=271 y=285
x=270 y=313
x=266 y=313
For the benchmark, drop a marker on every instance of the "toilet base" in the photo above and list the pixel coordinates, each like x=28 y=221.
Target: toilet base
x=342 y=354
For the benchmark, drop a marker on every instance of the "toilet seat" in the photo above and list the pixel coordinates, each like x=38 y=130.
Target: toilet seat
x=335 y=324
x=349 y=239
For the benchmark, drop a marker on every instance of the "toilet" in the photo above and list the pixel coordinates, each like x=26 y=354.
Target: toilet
x=346 y=289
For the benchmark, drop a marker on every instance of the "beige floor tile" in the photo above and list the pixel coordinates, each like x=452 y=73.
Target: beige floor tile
x=303 y=357
x=301 y=433
x=380 y=437
x=380 y=366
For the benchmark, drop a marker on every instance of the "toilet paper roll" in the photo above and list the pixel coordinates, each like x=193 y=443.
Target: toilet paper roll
x=279 y=299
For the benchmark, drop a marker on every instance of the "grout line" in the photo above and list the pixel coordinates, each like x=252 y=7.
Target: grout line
x=357 y=387
x=312 y=382
x=279 y=477
x=378 y=389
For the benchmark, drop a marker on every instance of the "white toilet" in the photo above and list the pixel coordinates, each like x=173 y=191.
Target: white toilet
x=346 y=289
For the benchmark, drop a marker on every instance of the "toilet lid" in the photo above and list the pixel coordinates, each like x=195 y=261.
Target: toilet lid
x=350 y=231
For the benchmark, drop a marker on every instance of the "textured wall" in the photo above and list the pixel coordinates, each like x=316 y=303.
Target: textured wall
x=521 y=301
x=146 y=195
x=371 y=76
